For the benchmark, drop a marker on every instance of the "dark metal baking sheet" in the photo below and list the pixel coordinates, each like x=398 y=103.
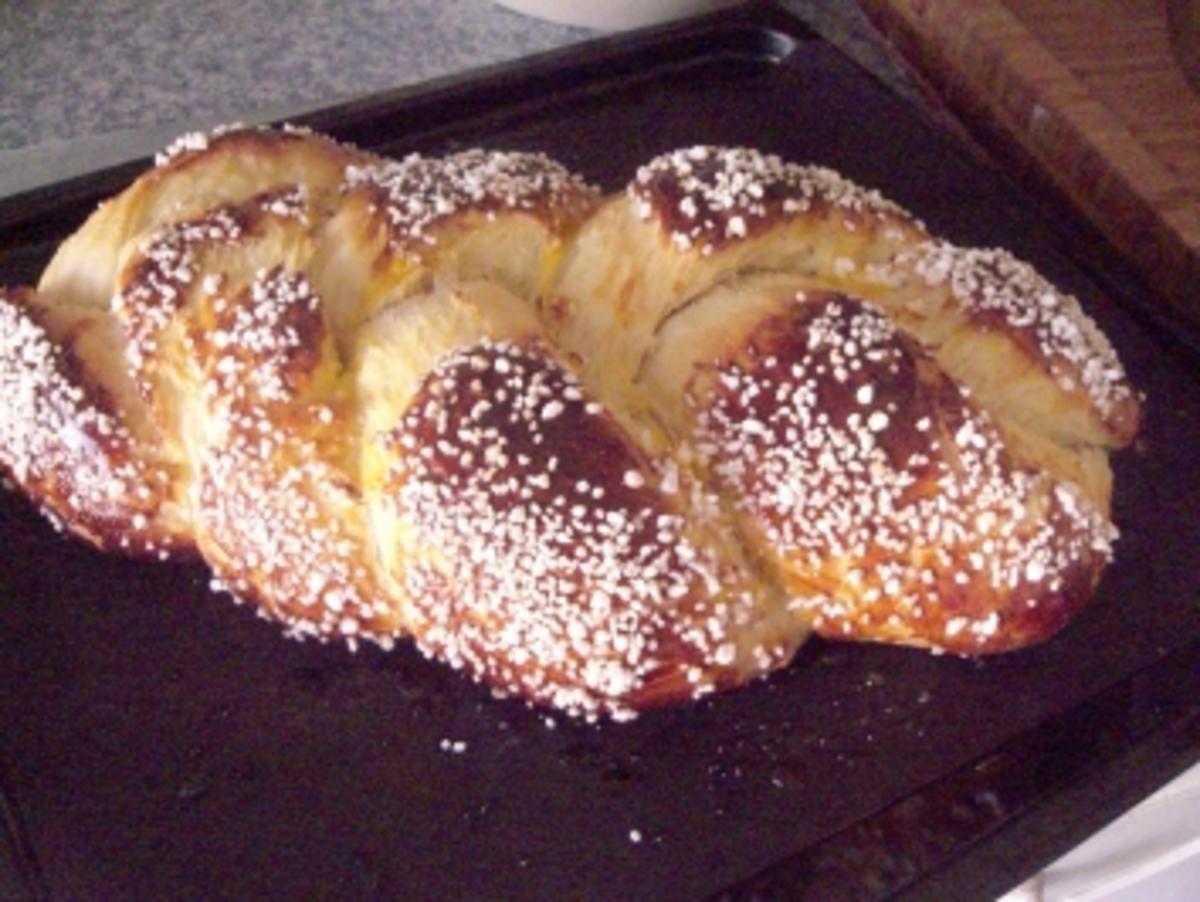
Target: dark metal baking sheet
x=156 y=741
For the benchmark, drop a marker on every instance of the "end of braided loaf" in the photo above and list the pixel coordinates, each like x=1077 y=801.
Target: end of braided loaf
x=601 y=453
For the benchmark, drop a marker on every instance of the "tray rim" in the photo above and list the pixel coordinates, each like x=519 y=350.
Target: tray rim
x=983 y=859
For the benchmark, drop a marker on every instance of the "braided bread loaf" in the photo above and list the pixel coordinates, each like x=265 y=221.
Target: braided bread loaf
x=601 y=452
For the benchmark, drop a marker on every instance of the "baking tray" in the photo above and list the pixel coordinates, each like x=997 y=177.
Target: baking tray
x=156 y=741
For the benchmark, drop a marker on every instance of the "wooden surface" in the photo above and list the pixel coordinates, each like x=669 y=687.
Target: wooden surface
x=1183 y=17
x=1087 y=96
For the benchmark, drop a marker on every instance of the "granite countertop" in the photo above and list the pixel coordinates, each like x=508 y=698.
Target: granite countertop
x=86 y=85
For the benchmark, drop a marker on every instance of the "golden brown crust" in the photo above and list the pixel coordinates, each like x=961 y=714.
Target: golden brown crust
x=277 y=512
x=885 y=497
x=64 y=444
x=602 y=456
x=705 y=198
x=200 y=172
x=417 y=198
x=237 y=363
x=589 y=593
x=578 y=595
x=997 y=292
x=261 y=147
x=727 y=203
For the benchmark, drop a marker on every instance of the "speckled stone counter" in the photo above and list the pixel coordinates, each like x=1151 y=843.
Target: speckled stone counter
x=86 y=85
